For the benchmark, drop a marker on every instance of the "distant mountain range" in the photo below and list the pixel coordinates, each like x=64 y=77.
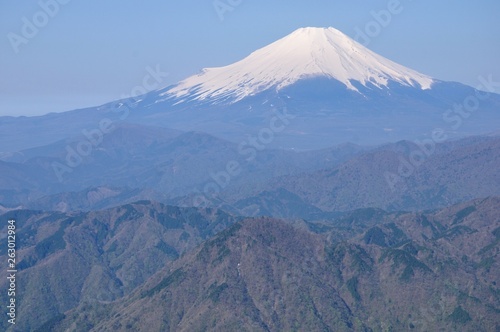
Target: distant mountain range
x=138 y=162
x=145 y=158
x=387 y=177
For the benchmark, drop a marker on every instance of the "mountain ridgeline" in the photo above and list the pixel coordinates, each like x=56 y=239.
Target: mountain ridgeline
x=119 y=269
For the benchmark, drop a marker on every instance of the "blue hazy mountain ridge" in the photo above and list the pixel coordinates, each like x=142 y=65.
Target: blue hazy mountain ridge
x=351 y=94
x=140 y=162
x=147 y=158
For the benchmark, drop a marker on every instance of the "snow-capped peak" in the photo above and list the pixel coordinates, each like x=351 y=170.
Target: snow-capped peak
x=305 y=53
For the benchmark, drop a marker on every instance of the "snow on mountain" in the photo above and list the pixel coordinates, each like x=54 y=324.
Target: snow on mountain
x=305 y=53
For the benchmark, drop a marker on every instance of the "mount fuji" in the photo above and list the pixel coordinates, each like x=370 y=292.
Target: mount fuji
x=306 y=53
x=330 y=89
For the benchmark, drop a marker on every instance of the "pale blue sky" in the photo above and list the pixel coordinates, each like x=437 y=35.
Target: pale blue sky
x=94 y=51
